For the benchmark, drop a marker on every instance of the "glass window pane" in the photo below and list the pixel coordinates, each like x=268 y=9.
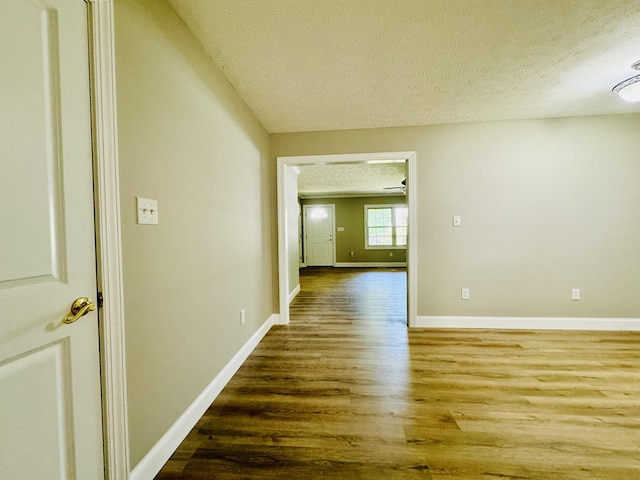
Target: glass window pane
x=402 y=214
x=380 y=236
x=379 y=217
x=401 y=235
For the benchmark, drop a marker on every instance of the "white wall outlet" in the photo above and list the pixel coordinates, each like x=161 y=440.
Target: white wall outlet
x=340 y=229
x=464 y=293
x=575 y=294
x=457 y=221
x=147 y=211
x=391 y=254
x=243 y=316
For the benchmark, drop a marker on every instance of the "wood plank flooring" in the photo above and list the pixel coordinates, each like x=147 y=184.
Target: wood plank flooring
x=346 y=391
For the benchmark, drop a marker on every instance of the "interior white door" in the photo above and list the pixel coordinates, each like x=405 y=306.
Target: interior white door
x=319 y=250
x=50 y=408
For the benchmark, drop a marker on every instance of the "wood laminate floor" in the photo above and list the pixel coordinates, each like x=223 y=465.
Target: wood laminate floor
x=346 y=391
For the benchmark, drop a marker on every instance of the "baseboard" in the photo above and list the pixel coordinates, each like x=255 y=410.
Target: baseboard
x=370 y=264
x=277 y=319
x=530 y=323
x=295 y=292
x=153 y=461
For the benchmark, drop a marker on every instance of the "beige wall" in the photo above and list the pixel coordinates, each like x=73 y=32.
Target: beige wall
x=350 y=216
x=187 y=140
x=546 y=205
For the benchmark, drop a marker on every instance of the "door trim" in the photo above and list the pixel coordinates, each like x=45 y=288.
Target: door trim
x=333 y=230
x=412 y=254
x=108 y=238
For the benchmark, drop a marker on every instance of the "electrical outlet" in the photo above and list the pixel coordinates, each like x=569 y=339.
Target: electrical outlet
x=575 y=294
x=464 y=293
x=243 y=316
x=391 y=254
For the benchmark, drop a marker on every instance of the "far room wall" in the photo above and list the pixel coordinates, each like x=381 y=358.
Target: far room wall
x=350 y=216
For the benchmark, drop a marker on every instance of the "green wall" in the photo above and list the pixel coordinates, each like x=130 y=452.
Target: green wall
x=350 y=216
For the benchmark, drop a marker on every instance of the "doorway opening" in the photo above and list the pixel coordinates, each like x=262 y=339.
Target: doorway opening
x=289 y=212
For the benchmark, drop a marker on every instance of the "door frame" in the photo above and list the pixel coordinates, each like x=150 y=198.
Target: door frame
x=333 y=230
x=108 y=238
x=283 y=247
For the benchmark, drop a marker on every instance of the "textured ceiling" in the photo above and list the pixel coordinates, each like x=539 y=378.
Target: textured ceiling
x=304 y=65
x=351 y=179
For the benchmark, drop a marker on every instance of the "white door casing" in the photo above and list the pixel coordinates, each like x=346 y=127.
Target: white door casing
x=50 y=404
x=107 y=203
x=319 y=233
x=283 y=249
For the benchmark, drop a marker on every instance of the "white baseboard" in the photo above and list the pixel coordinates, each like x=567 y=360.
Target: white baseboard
x=530 y=323
x=295 y=292
x=370 y=264
x=153 y=461
x=277 y=319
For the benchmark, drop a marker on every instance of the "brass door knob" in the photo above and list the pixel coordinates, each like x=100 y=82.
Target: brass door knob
x=79 y=308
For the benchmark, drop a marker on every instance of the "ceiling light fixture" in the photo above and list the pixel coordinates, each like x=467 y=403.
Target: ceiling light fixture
x=629 y=89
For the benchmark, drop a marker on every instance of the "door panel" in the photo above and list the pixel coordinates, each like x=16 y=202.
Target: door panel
x=50 y=409
x=30 y=140
x=35 y=388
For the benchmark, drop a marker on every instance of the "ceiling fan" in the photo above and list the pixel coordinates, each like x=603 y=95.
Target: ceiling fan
x=402 y=188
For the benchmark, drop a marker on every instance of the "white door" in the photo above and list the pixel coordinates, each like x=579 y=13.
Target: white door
x=50 y=409
x=318 y=226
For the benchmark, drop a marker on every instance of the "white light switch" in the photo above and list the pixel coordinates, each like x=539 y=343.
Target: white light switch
x=147 y=211
x=341 y=229
x=457 y=220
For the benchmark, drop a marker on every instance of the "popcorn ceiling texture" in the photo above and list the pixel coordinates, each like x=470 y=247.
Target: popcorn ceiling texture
x=359 y=178
x=305 y=65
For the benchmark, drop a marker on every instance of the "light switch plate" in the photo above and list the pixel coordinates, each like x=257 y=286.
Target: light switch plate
x=147 y=211
x=457 y=221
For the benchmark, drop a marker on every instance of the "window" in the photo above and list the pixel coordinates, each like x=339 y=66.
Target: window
x=385 y=226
